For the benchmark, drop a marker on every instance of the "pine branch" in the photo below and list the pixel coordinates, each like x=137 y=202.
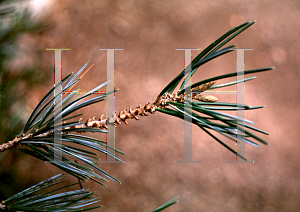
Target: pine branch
x=37 y=135
x=123 y=116
x=53 y=201
x=28 y=200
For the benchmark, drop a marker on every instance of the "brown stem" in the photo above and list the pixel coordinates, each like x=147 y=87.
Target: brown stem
x=2 y=205
x=131 y=113
x=13 y=143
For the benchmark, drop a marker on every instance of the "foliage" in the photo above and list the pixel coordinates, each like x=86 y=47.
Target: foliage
x=229 y=127
x=41 y=143
x=72 y=201
x=51 y=201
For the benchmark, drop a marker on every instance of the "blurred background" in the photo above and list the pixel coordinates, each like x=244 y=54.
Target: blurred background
x=149 y=33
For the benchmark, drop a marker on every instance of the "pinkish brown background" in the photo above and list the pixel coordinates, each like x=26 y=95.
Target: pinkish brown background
x=149 y=32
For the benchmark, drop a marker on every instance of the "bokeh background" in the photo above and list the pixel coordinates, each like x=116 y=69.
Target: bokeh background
x=149 y=33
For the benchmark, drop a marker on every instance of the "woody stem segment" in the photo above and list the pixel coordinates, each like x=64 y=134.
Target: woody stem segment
x=122 y=116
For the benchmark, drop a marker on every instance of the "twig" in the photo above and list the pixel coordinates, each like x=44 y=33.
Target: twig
x=124 y=115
